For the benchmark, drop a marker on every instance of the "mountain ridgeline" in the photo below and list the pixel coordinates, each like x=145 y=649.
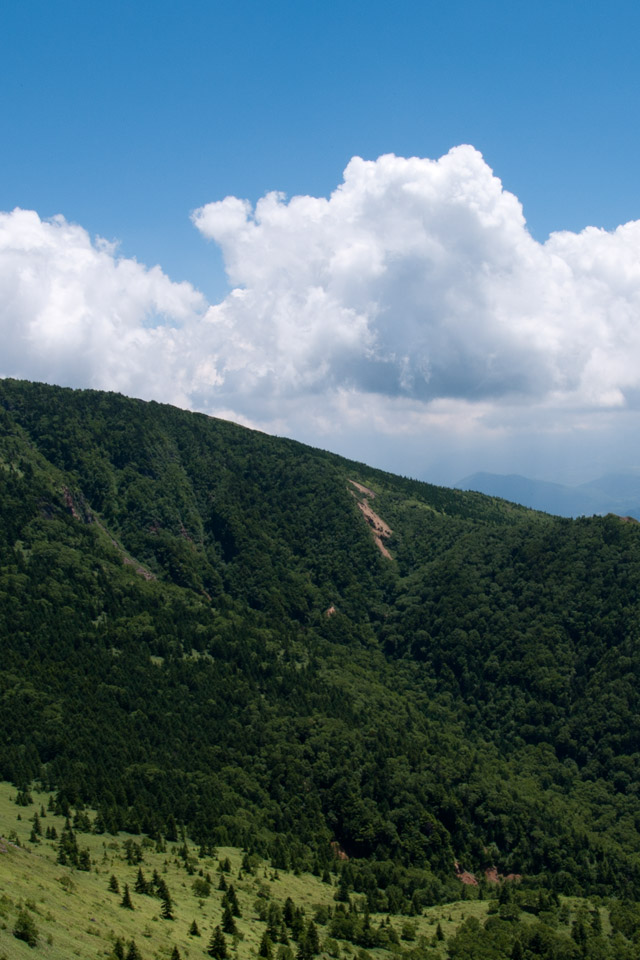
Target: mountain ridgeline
x=200 y=627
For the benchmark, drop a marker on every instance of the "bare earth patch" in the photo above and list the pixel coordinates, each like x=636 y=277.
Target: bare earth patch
x=378 y=526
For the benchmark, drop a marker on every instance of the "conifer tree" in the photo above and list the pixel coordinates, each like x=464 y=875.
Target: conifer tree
x=114 y=886
x=193 y=930
x=516 y=951
x=133 y=953
x=228 y=923
x=175 y=954
x=304 y=950
x=297 y=925
x=141 y=885
x=265 y=949
x=126 y=898
x=218 y=945
x=84 y=860
x=311 y=935
x=231 y=898
x=288 y=911
x=118 y=949
x=166 y=910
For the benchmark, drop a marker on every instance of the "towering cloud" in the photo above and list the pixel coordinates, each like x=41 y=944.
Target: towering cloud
x=418 y=278
x=414 y=295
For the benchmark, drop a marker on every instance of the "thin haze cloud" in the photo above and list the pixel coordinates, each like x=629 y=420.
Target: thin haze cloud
x=412 y=301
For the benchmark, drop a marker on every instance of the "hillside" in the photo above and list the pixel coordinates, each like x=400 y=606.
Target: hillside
x=199 y=626
x=161 y=899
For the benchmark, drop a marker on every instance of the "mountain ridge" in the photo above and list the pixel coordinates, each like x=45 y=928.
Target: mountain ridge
x=611 y=493
x=470 y=700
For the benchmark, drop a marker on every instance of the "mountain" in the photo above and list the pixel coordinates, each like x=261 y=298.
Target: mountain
x=296 y=653
x=612 y=493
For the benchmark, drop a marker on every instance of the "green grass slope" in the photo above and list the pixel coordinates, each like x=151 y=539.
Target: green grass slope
x=68 y=912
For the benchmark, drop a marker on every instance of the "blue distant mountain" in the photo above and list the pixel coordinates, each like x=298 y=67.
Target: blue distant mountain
x=613 y=493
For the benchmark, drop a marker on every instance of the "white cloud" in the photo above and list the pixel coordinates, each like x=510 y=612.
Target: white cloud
x=412 y=302
x=418 y=278
x=72 y=312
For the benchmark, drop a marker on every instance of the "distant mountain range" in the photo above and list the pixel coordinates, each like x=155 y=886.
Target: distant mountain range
x=617 y=493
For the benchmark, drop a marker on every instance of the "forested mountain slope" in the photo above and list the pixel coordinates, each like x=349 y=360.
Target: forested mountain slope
x=198 y=625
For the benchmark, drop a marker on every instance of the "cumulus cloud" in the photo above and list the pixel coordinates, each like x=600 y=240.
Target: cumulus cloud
x=419 y=279
x=73 y=312
x=413 y=298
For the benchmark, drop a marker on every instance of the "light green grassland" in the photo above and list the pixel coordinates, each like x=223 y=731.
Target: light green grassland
x=78 y=916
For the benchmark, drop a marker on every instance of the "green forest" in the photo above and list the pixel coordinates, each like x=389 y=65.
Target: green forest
x=202 y=636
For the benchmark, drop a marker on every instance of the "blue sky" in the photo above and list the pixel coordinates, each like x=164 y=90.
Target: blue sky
x=124 y=118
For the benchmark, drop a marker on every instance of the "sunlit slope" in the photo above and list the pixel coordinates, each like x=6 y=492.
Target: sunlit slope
x=198 y=622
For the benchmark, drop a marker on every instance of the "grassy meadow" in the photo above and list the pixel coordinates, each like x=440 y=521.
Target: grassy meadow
x=77 y=915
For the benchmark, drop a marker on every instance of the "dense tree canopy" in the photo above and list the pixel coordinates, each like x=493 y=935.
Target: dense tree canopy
x=199 y=628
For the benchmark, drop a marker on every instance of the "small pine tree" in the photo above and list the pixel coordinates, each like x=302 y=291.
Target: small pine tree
x=228 y=923
x=288 y=911
x=126 y=898
x=304 y=950
x=439 y=933
x=84 y=860
x=133 y=953
x=218 y=945
x=141 y=885
x=193 y=930
x=175 y=954
x=118 y=949
x=297 y=925
x=114 y=886
x=312 y=938
x=232 y=900
x=265 y=947
x=166 y=910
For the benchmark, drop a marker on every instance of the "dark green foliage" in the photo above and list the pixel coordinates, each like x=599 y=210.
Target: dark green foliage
x=133 y=953
x=265 y=949
x=230 y=900
x=118 y=949
x=217 y=945
x=228 y=923
x=201 y=888
x=141 y=885
x=114 y=886
x=26 y=929
x=476 y=698
x=175 y=954
x=166 y=909
x=193 y=929
x=126 y=898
